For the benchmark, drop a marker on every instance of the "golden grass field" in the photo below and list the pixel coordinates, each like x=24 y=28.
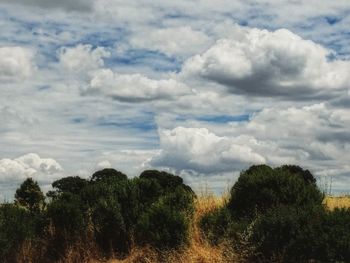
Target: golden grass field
x=199 y=251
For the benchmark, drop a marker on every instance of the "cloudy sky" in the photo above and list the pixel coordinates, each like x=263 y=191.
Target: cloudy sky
x=200 y=88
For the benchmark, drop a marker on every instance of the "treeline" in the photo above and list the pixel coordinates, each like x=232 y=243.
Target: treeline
x=271 y=215
x=106 y=215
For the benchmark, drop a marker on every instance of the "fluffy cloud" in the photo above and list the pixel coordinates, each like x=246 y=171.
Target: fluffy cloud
x=171 y=41
x=15 y=63
x=134 y=87
x=199 y=150
x=313 y=136
x=82 y=58
x=29 y=165
x=262 y=63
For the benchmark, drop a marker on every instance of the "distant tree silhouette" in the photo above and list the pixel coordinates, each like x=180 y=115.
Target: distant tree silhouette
x=107 y=174
x=30 y=196
x=71 y=184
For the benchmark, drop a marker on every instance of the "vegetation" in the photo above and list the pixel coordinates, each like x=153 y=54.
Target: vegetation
x=278 y=215
x=270 y=215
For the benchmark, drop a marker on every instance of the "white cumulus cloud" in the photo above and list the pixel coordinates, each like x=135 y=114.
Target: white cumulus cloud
x=263 y=63
x=134 y=87
x=200 y=150
x=15 y=63
x=29 y=165
x=82 y=58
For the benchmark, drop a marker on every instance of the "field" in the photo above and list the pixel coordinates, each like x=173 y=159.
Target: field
x=199 y=250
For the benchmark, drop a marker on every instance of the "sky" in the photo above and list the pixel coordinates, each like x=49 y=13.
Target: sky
x=203 y=89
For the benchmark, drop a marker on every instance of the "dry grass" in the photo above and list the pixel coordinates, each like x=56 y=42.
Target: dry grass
x=198 y=251
x=333 y=202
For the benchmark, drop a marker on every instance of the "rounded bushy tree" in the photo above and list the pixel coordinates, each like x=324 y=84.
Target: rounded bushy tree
x=108 y=174
x=30 y=196
x=261 y=187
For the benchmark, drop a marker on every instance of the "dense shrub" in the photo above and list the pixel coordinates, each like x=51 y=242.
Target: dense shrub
x=122 y=209
x=261 y=188
x=110 y=210
x=71 y=184
x=107 y=174
x=334 y=240
x=166 y=180
x=109 y=227
x=306 y=175
x=215 y=225
x=30 y=196
x=286 y=234
x=163 y=227
x=68 y=216
x=16 y=226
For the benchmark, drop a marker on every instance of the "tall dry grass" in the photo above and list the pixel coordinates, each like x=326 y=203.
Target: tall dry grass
x=333 y=202
x=198 y=251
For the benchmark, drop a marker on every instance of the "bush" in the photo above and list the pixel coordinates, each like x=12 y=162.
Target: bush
x=215 y=224
x=110 y=210
x=163 y=227
x=286 y=234
x=334 y=244
x=167 y=181
x=261 y=188
x=30 y=196
x=68 y=215
x=71 y=184
x=109 y=227
x=16 y=226
x=306 y=175
x=108 y=174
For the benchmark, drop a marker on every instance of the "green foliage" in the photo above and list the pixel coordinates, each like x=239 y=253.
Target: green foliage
x=261 y=188
x=165 y=180
x=68 y=216
x=71 y=184
x=298 y=171
x=109 y=209
x=30 y=196
x=163 y=227
x=276 y=215
x=286 y=234
x=215 y=225
x=165 y=223
x=108 y=174
x=109 y=227
x=334 y=240
x=16 y=226
x=120 y=209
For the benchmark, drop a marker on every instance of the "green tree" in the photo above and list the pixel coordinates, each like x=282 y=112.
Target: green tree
x=108 y=174
x=71 y=184
x=30 y=196
x=262 y=187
